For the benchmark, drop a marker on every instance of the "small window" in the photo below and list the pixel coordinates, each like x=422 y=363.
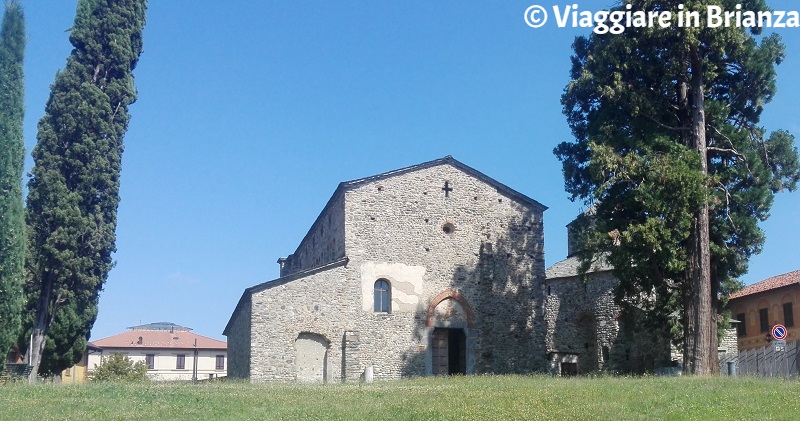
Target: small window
x=382 y=296
x=180 y=363
x=763 y=317
x=448 y=228
x=741 y=328
x=788 y=315
x=220 y=362
x=150 y=360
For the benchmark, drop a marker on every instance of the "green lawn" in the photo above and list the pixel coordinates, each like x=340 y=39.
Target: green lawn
x=478 y=397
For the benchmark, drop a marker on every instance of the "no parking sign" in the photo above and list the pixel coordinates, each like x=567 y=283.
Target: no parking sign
x=779 y=332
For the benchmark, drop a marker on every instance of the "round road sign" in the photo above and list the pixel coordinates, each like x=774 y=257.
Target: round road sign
x=779 y=332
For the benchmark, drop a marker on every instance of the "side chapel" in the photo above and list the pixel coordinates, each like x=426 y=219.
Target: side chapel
x=427 y=270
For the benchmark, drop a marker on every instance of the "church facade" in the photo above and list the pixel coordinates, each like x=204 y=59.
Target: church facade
x=427 y=270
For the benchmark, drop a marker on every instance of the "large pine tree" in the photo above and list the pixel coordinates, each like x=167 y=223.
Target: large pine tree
x=667 y=143
x=12 y=157
x=74 y=192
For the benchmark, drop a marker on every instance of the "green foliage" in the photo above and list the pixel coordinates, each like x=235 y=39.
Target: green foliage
x=439 y=398
x=655 y=194
x=119 y=368
x=630 y=107
x=74 y=189
x=12 y=151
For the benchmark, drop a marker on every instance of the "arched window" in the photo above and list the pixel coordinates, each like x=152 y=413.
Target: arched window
x=383 y=296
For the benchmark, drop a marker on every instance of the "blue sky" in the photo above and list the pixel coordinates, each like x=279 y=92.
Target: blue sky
x=250 y=114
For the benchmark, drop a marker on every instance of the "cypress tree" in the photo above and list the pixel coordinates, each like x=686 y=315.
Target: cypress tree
x=12 y=152
x=74 y=189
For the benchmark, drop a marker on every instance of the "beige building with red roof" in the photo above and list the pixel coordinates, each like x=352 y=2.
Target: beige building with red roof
x=171 y=352
x=760 y=306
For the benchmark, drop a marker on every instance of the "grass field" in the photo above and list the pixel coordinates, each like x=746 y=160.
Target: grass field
x=474 y=397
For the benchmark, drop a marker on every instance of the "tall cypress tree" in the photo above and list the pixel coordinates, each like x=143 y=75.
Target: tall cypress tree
x=74 y=192
x=12 y=157
x=668 y=142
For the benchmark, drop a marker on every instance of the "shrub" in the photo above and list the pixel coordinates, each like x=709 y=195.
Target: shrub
x=119 y=367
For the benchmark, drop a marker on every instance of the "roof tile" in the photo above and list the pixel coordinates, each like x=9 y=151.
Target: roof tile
x=159 y=339
x=768 y=284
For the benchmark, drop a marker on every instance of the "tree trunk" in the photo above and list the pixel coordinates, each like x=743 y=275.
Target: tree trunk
x=715 y=314
x=40 y=326
x=699 y=327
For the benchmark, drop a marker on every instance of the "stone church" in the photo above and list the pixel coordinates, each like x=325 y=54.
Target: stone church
x=427 y=270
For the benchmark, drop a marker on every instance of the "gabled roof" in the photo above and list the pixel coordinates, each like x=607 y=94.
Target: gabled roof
x=447 y=160
x=568 y=268
x=791 y=278
x=159 y=339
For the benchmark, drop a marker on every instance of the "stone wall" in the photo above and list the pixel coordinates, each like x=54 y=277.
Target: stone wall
x=324 y=242
x=315 y=304
x=238 y=334
x=470 y=238
x=728 y=350
x=584 y=322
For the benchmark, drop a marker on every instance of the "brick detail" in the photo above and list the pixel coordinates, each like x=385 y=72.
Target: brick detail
x=454 y=295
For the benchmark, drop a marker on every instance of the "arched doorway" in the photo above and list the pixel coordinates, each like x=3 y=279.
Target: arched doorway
x=451 y=319
x=311 y=358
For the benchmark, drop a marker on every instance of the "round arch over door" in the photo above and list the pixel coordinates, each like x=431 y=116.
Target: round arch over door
x=452 y=295
x=450 y=323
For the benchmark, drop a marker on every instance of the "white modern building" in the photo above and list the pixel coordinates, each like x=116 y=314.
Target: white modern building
x=171 y=352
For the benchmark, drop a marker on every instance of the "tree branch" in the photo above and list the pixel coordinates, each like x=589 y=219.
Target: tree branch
x=727 y=205
x=726 y=150
x=731 y=150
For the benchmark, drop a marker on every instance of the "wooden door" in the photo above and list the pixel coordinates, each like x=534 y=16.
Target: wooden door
x=439 y=346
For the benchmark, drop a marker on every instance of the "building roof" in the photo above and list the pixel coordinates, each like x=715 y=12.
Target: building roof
x=791 y=278
x=448 y=160
x=568 y=268
x=160 y=326
x=158 y=338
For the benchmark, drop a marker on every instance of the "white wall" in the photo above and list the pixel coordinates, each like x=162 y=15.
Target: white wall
x=165 y=362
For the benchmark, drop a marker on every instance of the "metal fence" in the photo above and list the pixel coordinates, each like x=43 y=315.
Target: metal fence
x=768 y=362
